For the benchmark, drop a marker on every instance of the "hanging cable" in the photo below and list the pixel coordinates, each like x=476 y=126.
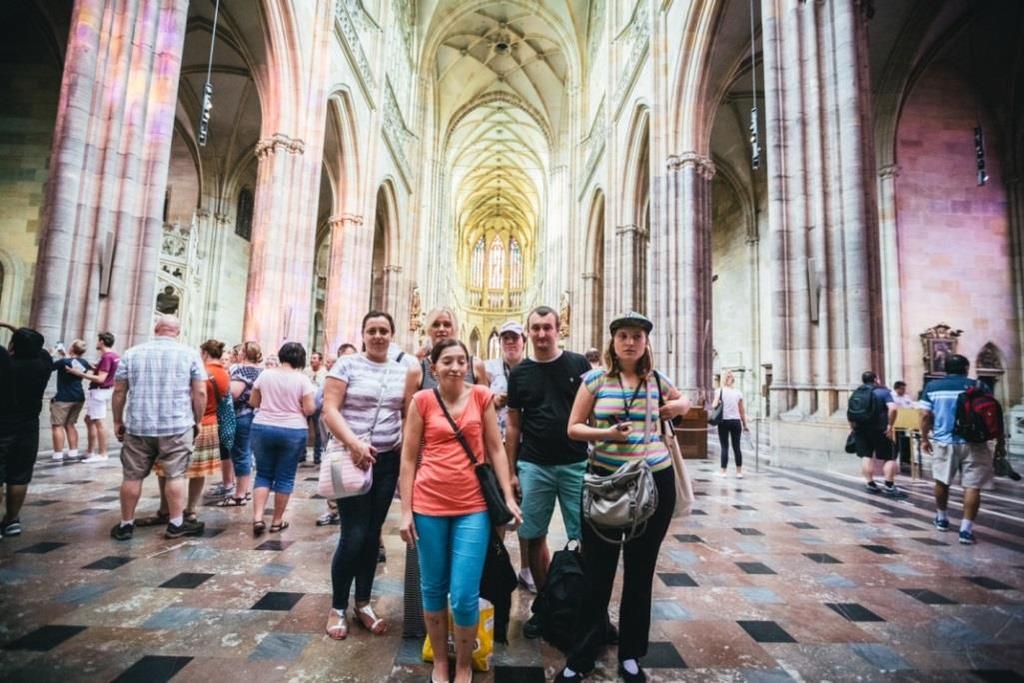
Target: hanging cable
x=204 y=116
x=755 y=137
x=979 y=134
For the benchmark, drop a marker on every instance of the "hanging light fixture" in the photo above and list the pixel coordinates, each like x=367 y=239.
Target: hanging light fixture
x=204 y=115
x=755 y=136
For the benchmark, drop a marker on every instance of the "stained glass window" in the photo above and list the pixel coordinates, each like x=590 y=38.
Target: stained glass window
x=496 y=265
x=477 y=275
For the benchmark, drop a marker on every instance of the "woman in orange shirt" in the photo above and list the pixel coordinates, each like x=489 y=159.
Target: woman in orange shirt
x=205 y=460
x=443 y=509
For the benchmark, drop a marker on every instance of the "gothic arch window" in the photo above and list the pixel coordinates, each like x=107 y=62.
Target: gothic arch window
x=243 y=215
x=515 y=264
x=496 y=265
x=478 y=264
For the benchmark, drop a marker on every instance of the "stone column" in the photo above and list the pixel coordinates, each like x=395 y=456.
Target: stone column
x=625 y=251
x=823 y=230
x=590 y=304
x=681 y=266
x=340 y=314
x=102 y=224
x=892 y=316
x=1015 y=200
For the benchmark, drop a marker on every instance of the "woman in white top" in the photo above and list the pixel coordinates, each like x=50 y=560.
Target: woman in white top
x=734 y=420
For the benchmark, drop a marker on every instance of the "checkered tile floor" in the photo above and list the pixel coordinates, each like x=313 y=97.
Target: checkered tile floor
x=786 y=574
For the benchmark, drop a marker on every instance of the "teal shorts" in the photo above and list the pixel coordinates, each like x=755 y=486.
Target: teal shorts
x=541 y=485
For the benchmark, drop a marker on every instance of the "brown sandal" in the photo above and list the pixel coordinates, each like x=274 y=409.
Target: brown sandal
x=280 y=526
x=377 y=626
x=258 y=528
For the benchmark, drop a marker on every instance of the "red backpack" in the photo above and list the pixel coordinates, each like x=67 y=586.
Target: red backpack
x=979 y=417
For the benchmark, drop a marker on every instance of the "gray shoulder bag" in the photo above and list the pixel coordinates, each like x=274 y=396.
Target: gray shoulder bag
x=623 y=501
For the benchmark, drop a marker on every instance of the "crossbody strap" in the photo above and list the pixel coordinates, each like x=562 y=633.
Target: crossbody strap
x=380 y=399
x=458 y=432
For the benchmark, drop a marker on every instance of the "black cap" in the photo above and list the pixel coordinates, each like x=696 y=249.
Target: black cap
x=632 y=319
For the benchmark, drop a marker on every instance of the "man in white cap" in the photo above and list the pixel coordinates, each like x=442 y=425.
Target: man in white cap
x=513 y=347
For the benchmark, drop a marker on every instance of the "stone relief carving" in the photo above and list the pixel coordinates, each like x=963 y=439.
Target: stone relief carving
x=415 y=310
x=595 y=144
x=352 y=20
x=396 y=133
x=635 y=40
x=564 y=316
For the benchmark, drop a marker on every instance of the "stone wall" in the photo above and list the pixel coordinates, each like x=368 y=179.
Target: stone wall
x=953 y=235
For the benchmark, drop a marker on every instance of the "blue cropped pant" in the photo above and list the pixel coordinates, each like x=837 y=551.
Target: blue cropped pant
x=451 y=553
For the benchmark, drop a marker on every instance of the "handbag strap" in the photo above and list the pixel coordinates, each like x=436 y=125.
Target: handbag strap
x=380 y=399
x=458 y=432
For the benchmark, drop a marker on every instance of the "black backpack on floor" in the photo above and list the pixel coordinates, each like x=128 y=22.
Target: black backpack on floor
x=559 y=604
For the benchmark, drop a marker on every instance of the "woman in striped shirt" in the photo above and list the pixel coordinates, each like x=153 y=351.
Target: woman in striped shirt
x=618 y=409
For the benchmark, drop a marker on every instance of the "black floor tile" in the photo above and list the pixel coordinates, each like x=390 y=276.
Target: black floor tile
x=908 y=526
x=879 y=549
x=790 y=504
x=744 y=507
x=82 y=482
x=519 y=674
x=697 y=512
x=109 y=562
x=822 y=558
x=153 y=669
x=929 y=541
x=278 y=601
x=998 y=675
x=677 y=580
x=312 y=479
x=44 y=638
x=766 y=632
x=42 y=547
x=851 y=520
x=700 y=493
x=92 y=511
x=747 y=531
x=105 y=499
x=830 y=500
x=991 y=584
x=41 y=502
x=802 y=525
x=928 y=597
x=274 y=545
x=853 y=611
x=689 y=538
x=781 y=488
x=186 y=580
x=662 y=655
x=755 y=568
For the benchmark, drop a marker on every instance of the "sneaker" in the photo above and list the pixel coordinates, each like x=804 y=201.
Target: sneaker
x=638 y=677
x=579 y=676
x=872 y=487
x=966 y=537
x=739 y=475
x=57 y=457
x=186 y=528
x=941 y=524
x=96 y=457
x=894 y=492
x=328 y=519
x=526 y=580
x=122 y=533
x=12 y=528
x=533 y=629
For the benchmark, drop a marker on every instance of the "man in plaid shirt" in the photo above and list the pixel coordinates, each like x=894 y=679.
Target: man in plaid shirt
x=159 y=399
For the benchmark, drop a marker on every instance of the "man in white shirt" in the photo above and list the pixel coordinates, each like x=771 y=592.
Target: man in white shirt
x=316 y=371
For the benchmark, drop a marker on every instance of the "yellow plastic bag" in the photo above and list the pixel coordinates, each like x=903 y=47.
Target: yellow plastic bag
x=483 y=651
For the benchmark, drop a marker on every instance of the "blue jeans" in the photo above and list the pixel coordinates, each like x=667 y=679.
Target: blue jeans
x=241 y=450
x=452 y=552
x=541 y=486
x=362 y=517
x=277 y=451
x=318 y=436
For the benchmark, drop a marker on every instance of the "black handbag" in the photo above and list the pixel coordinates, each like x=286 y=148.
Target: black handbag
x=493 y=495
x=851 y=443
x=497 y=583
x=715 y=418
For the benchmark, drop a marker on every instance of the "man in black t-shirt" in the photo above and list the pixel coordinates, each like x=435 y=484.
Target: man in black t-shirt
x=24 y=372
x=548 y=464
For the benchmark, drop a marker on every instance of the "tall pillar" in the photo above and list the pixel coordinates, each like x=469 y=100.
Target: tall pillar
x=1015 y=200
x=592 y=307
x=102 y=223
x=681 y=267
x=892 y=316
x=627 y=272
x=348 y=290
x=823 y=221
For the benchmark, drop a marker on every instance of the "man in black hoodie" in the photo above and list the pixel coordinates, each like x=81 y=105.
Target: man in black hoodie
x=25 y=368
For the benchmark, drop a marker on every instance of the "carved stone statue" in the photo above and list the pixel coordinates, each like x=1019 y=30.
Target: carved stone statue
x=564 y=313
x=415 y=312
x=167 y=301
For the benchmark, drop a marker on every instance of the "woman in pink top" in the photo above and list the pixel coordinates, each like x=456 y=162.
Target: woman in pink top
x=284 y=398
x=443 y=509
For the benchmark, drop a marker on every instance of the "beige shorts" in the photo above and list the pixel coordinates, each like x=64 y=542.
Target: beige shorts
x=140 y=453
x=972 y=461
x=64 y=414
x=96 y=403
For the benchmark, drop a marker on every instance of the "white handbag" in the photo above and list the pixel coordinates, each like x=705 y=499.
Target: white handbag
x=339 y=476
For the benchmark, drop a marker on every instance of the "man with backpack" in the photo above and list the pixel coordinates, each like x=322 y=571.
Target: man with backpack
x=961 y=417
x=868 y=414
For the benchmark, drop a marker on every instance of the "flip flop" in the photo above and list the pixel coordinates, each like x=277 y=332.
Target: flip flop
x=377 y=627
x=337 y=626
x=231 y=502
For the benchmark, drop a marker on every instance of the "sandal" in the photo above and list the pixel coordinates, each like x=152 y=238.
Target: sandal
x=159 y=519
x=280 y=526
x=337 y=625
x=191 y=516
x=248 y=496
x=258 y=528
x=377 y=627
x=231 y=502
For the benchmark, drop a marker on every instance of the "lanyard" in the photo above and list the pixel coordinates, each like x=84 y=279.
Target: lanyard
x=636 y=392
